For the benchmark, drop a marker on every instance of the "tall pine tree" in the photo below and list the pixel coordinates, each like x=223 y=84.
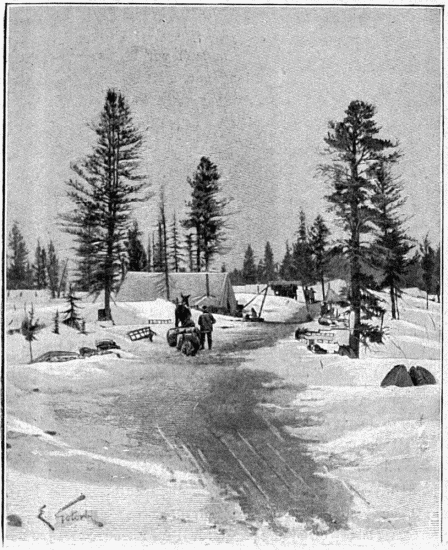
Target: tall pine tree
x=40 y=267
x=249 y=267
x=319 y=243
x=189 y=247
x=353 y=148
x=206 y=213
x=269 y=264
x=286 y=267
x=392 y=243
x=53 y=270
x=175 y=247
x=301 y=254
x=428 y=266
x=106 y=185
x=16 y=273
x=137 y=258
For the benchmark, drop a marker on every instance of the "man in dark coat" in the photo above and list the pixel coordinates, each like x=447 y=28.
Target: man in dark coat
x=206 y=322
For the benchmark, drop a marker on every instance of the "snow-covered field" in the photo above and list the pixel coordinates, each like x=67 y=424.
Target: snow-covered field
x=381 y=445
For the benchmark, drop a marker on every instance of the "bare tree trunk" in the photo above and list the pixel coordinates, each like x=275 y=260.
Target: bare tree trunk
x=392 y=301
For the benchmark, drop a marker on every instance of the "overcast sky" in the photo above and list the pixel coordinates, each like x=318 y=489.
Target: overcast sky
x=251 y=87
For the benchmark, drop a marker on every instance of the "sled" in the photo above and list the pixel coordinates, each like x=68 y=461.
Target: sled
x=141 y=334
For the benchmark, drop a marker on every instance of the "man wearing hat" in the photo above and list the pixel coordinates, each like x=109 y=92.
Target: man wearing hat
x=206 y=322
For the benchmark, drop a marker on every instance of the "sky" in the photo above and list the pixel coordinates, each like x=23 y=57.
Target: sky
x=251 y=87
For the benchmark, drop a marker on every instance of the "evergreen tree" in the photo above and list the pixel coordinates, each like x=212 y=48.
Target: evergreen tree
x=261 y=275
x=164 y=244
x=137 y=259
x=319 y=244
x=88 y=245
x=105 y=187
x=149 y=258
x=286 y=267
x=29 y=328
x=29 y=277
x=392 y=244
x=353 y=148
x=428 y=266
x=189 y=245
x=437 y=272
x=16 y=273
x=206 y=216
x=302 y=261
x=175 y=248
x=56 y=322
x=269 y=264
x=236 y=277
x=40 y=267
x=72 y=318
x=53 y=270
x=249 y=267
x=223 y=268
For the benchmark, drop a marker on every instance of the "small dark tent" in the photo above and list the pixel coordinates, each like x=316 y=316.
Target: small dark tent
x=211 y=289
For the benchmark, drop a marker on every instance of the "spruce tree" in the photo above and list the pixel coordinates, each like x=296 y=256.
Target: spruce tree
x=249 y=267
x=319 y=249
x=56 y=322
x=206 y=213
x=137 y=258
x=53 y=270
x=428 y=263
x=106 y=185
x=175 y=247
x=286 y=267
x=353 y=148
x=72 y=318
x=163 y=241
x=29 y=328
x=16 y=273
x=269 y=264
x=302 y=262
x=261 y=275
x=189 y=246
x=392 y=243
x=40 y=267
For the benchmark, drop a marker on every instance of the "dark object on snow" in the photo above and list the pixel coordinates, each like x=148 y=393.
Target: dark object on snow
x=421 y=376
x=190 y=343
x=300 y=333
x=35 y=389
x=57 y=356
x=14 y=520
x=104 y=345
x=87 y=352
x=8 y=445
x=171 y=337
x=141 y=333
x=398 y=376
x=315 y=348
x=346 y=351
x=323 y=321
x=102 y=315
x=50 y=432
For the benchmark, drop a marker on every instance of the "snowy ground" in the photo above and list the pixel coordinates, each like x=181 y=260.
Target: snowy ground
x=378 y=448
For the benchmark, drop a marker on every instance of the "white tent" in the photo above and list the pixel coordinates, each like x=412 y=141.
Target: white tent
x=212 y=289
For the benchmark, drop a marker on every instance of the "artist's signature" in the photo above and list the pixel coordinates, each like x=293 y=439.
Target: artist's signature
x=64 y=516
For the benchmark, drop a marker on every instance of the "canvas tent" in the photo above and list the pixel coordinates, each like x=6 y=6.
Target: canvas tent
x=211 y=289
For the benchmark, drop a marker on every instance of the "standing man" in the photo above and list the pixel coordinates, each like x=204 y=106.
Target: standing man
x=206 y=322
